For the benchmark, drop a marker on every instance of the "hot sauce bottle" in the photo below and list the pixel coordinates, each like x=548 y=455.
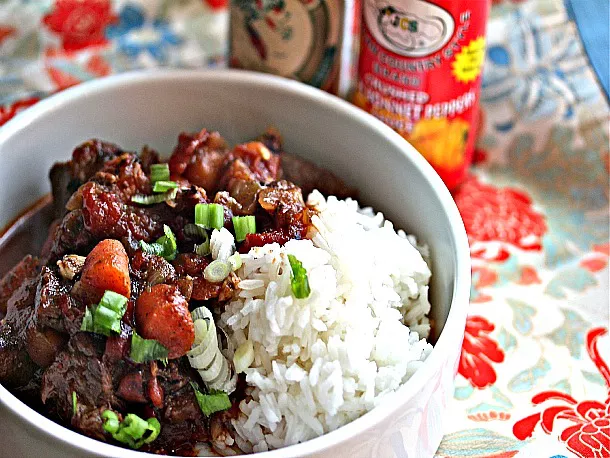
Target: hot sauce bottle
x=313 y=41
x=419 y=71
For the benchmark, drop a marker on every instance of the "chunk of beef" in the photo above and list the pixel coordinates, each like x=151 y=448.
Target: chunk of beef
x=90 y=157
x=284 y=201
x=79 y=369
x=55 y=307
x=148 y=157
x=151 y=269
x=26 y=268
x=66 y=177
x=262 y=163
x=102 y=208
x=43 y=344
x=131 y=387
x=182 y=424
x=105 y=215
x=245 y=194
x=272 y=139
x=16 y=366
x=200 y=158
x=69 y=237
x=309 y=176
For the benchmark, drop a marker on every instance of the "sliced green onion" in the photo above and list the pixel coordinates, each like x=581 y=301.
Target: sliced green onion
x=235 y=261
x=134 y=426
x=114 y=301
x=202 y=214
x=143 y=350
x=217 y=271
x=165 y=246
x=111 y=421
x=155 y=428
x=87 y=324
x=105 y=317
x=159 y=172
x=168 y=241
x=217 y=216
x=163 y=186
x=203 y=249
x=133 y=430
x=154 y=199
x=74 y=403
x=243 y=357
x=151 y=248
x=216 y=401
x=196 y=230
x=210 y=216
x=298 y=278
x=243 y=226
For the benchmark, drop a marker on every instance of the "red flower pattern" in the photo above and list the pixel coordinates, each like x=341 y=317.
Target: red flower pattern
x=589 y=436
x=489 y=416
x=505 y=215
x=80 y=23
x=479 y=351
x=6 y=32
x=9 y=111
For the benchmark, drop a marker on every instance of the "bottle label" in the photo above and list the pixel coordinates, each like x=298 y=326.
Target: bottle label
x=297 y=39
x=419 y=72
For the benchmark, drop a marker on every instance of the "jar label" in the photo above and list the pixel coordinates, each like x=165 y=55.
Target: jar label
x=297 y=39
x=419 y=72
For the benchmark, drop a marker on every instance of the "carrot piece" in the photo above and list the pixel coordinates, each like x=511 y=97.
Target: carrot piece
x=107 y=268
x=162 y=314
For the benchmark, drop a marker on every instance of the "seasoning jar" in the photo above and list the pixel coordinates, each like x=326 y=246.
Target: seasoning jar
x=419 y=71
x=312 y=41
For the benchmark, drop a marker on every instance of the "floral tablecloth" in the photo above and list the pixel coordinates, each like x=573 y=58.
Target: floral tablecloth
x=533 y=377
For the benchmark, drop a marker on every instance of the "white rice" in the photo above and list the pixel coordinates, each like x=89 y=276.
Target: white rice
x=323 y=361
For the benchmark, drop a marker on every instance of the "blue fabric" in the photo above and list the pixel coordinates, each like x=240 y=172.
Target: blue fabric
x=592 y=18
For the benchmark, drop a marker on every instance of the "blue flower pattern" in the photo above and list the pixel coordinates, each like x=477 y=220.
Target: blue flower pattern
x=539 y=70
x=135 y=35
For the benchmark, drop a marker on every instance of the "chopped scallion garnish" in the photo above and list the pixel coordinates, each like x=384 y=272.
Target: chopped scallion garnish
x=217 y=271
x=151 y=248
x=163 y=186
x=105 y=317
x=165 y=246
x=159 y=172
x=133 y=430
x=298 y=278
x=155 y=199
x=210 y=216
x=196 y=230
x=74 y=403
x=216 y=401
x=143 y=350
x=243 y=356
x=111 y=421
x=243 y=226
x=235 y=261
x=203 y=249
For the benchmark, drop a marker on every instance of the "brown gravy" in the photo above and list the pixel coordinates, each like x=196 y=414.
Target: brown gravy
x=26 y=234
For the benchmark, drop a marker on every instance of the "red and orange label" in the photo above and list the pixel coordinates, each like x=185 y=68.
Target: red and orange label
x=420 y=72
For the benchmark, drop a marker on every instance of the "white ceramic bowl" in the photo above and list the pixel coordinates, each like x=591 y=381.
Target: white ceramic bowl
x=152 y=108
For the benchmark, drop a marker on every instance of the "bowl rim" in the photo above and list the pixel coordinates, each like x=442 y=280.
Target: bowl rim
x=454 y=326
